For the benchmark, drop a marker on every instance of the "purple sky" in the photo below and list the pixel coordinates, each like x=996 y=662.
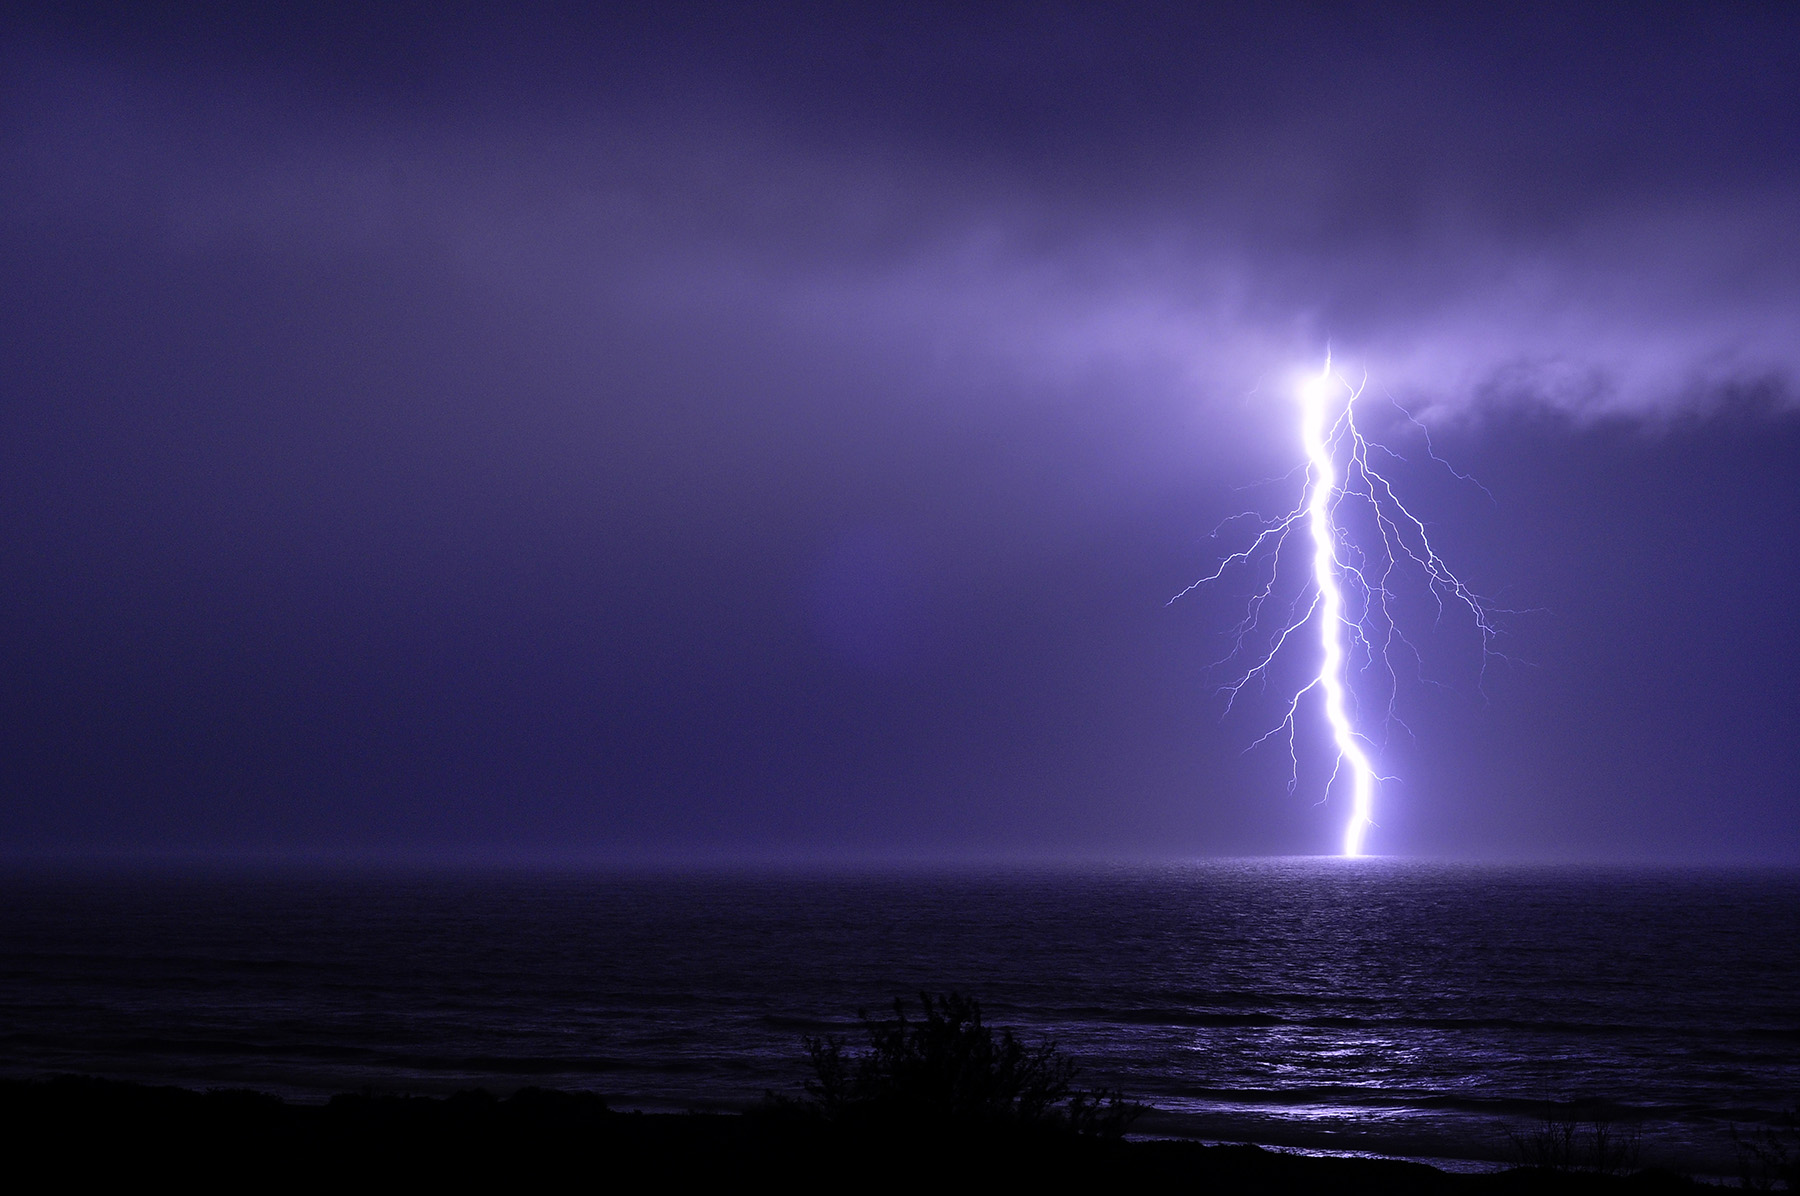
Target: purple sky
x=779 y=433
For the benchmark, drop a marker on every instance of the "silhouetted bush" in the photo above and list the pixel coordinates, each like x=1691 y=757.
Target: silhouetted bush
x=1768 y=1156
x=947 y=1068
x=1581 y=1139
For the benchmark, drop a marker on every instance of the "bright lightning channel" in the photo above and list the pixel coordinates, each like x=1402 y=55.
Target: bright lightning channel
x=1351 y=590
x=1315 y=395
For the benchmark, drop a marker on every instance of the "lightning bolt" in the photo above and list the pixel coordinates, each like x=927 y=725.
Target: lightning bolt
x=1323 y=491
x=1349 y=598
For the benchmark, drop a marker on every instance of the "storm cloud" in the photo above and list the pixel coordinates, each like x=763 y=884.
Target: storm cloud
x=567 y=419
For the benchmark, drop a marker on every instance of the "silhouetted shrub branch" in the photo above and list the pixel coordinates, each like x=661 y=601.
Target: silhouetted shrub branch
x=1768 y=1156
x=1583 y=1139
x=948 y=1068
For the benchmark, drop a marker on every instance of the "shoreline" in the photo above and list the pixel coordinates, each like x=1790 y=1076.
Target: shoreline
x=102 y=1126
x=1486 y=1148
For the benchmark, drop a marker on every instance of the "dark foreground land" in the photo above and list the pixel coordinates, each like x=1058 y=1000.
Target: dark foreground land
x=84 y=1129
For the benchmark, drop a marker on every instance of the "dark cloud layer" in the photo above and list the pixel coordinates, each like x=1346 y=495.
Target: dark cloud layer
x=710 y=429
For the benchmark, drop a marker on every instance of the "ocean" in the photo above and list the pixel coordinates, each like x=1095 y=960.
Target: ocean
x=1386 y=1006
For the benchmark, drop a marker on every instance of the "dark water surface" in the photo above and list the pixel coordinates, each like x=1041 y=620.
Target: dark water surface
x=1394 y=1006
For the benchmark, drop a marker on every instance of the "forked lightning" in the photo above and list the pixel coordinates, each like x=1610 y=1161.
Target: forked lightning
x=1347 y=599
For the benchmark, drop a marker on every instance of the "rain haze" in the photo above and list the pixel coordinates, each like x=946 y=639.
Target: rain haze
x=709 y=433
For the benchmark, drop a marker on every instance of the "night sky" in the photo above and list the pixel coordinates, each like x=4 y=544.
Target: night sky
x=776 y=432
